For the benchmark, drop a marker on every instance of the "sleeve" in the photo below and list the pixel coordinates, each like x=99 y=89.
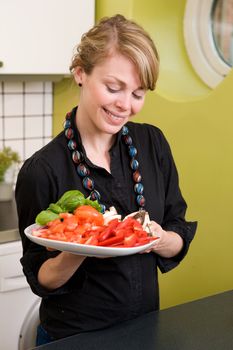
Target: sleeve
x=35 y=189
x=175 y=208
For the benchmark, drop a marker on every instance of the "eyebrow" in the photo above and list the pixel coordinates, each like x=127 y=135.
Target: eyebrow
x=122 y=83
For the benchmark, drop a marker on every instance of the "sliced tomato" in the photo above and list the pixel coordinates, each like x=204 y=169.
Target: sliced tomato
x=65 y=215
x=130 y=241
x=71 y=222
x=88 y=214
x=58 y=236
x=53 y=223
x=95 y=231
x=42 y=232
x=80 y=229
x=125 y=223
x=112 y=241
x=78 y=239
x=109 y=230
x=128 y=231
x=59 y=228
x=92 y=240
x=142 y=241
x=141 y=233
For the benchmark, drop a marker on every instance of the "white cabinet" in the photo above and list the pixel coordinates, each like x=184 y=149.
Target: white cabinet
x=38 y=37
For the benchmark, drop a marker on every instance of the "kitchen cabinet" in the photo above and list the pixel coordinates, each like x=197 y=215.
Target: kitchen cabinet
x=39 y=37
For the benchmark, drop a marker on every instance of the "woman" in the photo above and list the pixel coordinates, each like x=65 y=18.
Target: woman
x=115 y=64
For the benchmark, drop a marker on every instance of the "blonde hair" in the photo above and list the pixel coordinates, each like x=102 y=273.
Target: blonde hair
x=118 y=34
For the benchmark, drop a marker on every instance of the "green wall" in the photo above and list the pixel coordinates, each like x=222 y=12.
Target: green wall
x=198 y=123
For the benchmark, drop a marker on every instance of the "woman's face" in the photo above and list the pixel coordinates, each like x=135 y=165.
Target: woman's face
x=110 y=95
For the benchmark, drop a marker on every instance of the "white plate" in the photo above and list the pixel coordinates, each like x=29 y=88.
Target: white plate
x=82 y=249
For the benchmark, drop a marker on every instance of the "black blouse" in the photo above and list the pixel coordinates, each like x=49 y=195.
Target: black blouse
x=102 y=292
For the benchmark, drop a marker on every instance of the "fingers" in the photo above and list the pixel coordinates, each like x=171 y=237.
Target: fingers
x=152 y=248
x=155 y=229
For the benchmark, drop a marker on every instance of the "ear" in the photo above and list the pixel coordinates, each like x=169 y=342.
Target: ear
x=79 y=75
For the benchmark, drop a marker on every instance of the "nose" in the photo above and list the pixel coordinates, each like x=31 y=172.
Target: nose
x=123 y=102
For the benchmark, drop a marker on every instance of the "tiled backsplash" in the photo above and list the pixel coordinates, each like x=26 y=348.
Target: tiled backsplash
x=25 y=116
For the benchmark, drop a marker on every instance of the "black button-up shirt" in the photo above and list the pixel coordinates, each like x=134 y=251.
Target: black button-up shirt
x=102 y=292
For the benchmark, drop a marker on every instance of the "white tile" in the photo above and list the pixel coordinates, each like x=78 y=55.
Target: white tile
x=48 y=86
x=31 y=146
x=34 y=104
x=34 y=86
x=13 y=128
x=13 y=105
x=16 y=145
x=48 y=104
x=48 y=126
x=13 y=87
x=33 y=127
x=1 y=128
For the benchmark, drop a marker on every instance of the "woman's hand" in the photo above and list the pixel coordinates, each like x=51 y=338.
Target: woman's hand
x=168 y=244
x=55 y=272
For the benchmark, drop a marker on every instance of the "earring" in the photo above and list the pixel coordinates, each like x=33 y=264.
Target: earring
x=79 y=84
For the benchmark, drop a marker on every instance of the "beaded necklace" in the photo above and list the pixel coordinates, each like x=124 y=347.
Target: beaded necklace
x=84 y=171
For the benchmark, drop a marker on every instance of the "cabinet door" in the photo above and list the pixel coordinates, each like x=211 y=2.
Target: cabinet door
x=39 y=36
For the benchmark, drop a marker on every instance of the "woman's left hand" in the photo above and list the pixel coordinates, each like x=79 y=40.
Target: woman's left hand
x=168 y=244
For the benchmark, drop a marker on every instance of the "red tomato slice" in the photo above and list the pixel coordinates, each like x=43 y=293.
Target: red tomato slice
x=80 y=229
x=65 y=215
x=109 y=230
x=112 y=241
x=53 y=223
x=131 y=240
x=56 y=229
x=71 y=222
x=142 y=241
x=86 y=213
x=92 y=240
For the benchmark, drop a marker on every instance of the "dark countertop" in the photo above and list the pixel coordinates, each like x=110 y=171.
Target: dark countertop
x=205 y=324
x=8 y=222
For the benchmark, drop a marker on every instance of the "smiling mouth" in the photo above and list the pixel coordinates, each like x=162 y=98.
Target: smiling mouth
x=113 y=115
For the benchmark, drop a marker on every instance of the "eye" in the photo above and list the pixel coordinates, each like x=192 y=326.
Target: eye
x=112 y=90
x=138 y=97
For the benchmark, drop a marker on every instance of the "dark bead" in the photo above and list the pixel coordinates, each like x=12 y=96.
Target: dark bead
x=137 y=176
x=82 y=170
x=88 y=183
x=68 y=115
x=67 y=124
x=138 y=188
x=77 y=157
x=69 y=133
x=95 y=195
x=128 y=139
x=134 y=164
x=141 y=200
x=132 y=151
x=124 y=130
x=72 y=145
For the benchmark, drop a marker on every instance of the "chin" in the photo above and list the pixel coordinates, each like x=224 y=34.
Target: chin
x=113 y=130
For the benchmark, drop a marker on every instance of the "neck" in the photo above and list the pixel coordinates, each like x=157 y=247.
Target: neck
x=96 y=143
